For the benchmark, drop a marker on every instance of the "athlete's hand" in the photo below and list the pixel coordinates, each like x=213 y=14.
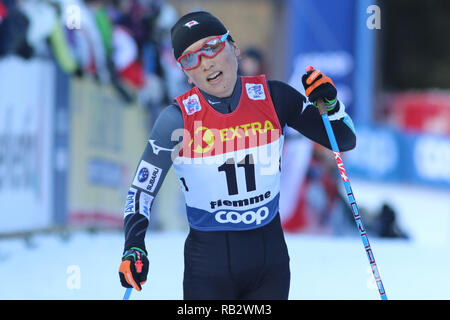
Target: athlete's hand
x=134 y=268
x=320 y=87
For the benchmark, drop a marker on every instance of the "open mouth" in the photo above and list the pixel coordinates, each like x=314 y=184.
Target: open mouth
x=214 y=76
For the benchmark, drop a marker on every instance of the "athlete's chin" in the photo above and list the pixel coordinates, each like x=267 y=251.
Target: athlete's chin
x=220 y=88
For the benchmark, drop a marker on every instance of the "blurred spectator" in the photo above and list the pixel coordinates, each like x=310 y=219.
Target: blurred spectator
x=143 y=54
x=125 y=58
x=42 y=19
x=13 y=30
x=385 y=225
x=125 y=43
x=251 y=62
x=317 y=196
x=3 y=12
x=323 y=208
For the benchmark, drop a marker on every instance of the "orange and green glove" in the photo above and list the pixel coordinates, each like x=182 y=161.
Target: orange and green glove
x=134 y=268
x=318 y=86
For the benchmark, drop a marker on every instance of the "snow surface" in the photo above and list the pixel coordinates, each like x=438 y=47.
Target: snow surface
x=321 y=268
x=85 y=265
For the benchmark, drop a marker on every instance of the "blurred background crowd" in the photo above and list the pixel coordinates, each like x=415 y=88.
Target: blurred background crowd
x=81 y=83
x=125 y=43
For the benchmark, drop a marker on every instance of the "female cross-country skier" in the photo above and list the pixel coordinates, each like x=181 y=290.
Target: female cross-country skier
x=224 y=139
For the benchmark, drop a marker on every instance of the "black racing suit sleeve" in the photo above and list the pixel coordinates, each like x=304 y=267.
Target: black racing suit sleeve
x=288 y=103
x=163 y=136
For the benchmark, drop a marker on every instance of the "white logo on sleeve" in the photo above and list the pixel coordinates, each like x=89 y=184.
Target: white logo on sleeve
x=255 y=91
x=156 y=149
x=145 y=204
x=147 y=176
x=130 y=203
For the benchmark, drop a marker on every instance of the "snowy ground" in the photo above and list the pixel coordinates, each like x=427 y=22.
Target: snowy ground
x=85 y=265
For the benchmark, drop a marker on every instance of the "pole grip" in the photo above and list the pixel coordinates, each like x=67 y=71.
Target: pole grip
x=321 y=106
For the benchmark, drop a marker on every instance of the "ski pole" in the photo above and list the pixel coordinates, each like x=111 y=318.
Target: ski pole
x=127 y=294
x=351 y=197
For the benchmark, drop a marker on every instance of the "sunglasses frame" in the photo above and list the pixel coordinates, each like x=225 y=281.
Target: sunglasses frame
x=222 y=39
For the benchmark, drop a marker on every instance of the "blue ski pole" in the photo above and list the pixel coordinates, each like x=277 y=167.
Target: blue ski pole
x=351 y=197
x=127 y=294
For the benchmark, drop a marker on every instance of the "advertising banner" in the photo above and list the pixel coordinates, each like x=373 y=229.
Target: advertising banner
x=26 y=131
x=321 y=33
x=107 y=139
x=383 y=154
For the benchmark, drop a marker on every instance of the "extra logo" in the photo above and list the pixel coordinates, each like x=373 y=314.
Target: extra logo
x=255 y=91
x=192 y=104
x=247 y=217
x=147 y=176
x=204 y=140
